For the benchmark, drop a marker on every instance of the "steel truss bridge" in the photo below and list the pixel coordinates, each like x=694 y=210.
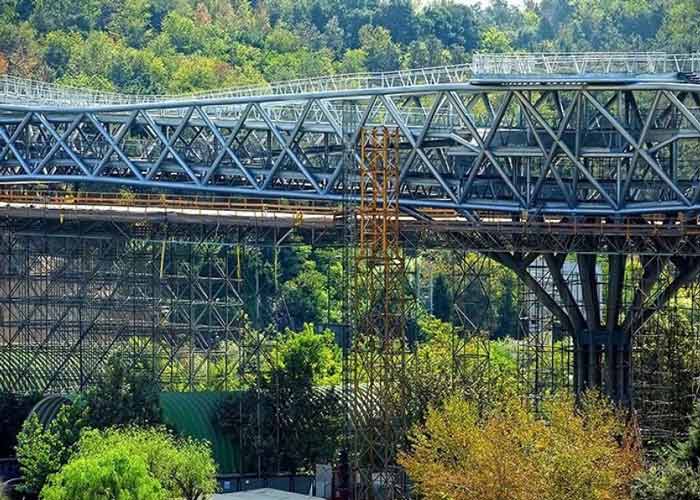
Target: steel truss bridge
x=614 y=142
x=578 y=172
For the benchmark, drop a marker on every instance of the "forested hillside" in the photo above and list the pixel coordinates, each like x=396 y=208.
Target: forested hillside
x=177 y=46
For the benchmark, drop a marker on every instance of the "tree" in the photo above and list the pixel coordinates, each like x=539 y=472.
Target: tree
x=59 y=45
x=36 y=449
x=85 y=16
x=428 y=52
x=132 y=22
x=453 y=24
x=199 y=73
x=512 y=453
x=312 y=355
x=42 y=451
x=21 y=50
x=184 y=468
x=335 y=36
x=681 y=26
x=304 y=298
x=495 y=41
x=382 y=53
x=398 y=17
x=114 y=474
x=354 y=61
x=288 y=423
x=123 y=395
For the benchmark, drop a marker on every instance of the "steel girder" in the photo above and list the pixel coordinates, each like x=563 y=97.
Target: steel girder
x=579 y=149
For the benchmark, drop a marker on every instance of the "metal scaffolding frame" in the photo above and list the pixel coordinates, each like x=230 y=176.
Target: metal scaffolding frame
x=381 y=352
x=67 y=305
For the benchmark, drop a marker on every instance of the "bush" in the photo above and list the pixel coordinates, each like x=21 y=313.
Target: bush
x=668 y=481
x=512 y=453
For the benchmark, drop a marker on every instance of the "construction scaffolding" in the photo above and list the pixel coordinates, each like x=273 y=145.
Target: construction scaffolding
x=381 y=352
x=67 y=305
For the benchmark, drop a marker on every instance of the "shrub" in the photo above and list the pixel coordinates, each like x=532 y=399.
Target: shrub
x=667 y=481
x=511 y=453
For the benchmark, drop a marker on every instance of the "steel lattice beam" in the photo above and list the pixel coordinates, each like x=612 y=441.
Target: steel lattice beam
x=579 y=149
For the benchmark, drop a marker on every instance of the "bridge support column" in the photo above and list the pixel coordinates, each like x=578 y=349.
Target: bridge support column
x=603 y=361
x=602 y=325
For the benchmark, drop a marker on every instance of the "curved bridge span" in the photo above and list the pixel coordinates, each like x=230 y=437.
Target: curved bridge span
x=607 y=135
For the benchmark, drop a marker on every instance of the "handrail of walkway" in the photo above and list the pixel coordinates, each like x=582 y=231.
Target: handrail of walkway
x=581 y=63
x=15 y=90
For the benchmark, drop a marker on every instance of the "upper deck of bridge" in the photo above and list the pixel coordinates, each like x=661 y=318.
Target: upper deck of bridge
x=484 y=69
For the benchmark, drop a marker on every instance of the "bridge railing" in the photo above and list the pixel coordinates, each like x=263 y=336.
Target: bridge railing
x=584 y=63
x=16 y=90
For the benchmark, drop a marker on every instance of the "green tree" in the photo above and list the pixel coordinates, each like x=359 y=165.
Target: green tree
x=55 y=15
x=132 y=22
x=309 y=354
x=199 y=73
x=382 y=53
x=681 y=25
x=59 y=45
x=123 y=395
x=42 y=451
x=304 y=298
x=452 y=23
x=288 y=423
x=184 y=468
x=495 y=40
x=114 y=474
x=354 y=61
x=428 y=52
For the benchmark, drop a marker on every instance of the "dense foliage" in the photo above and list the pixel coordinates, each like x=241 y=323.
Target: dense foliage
x=510 y=452
x=676 y=475
x=119 y=398
x=166 y=46
x=292 y=420
x=134 y=463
